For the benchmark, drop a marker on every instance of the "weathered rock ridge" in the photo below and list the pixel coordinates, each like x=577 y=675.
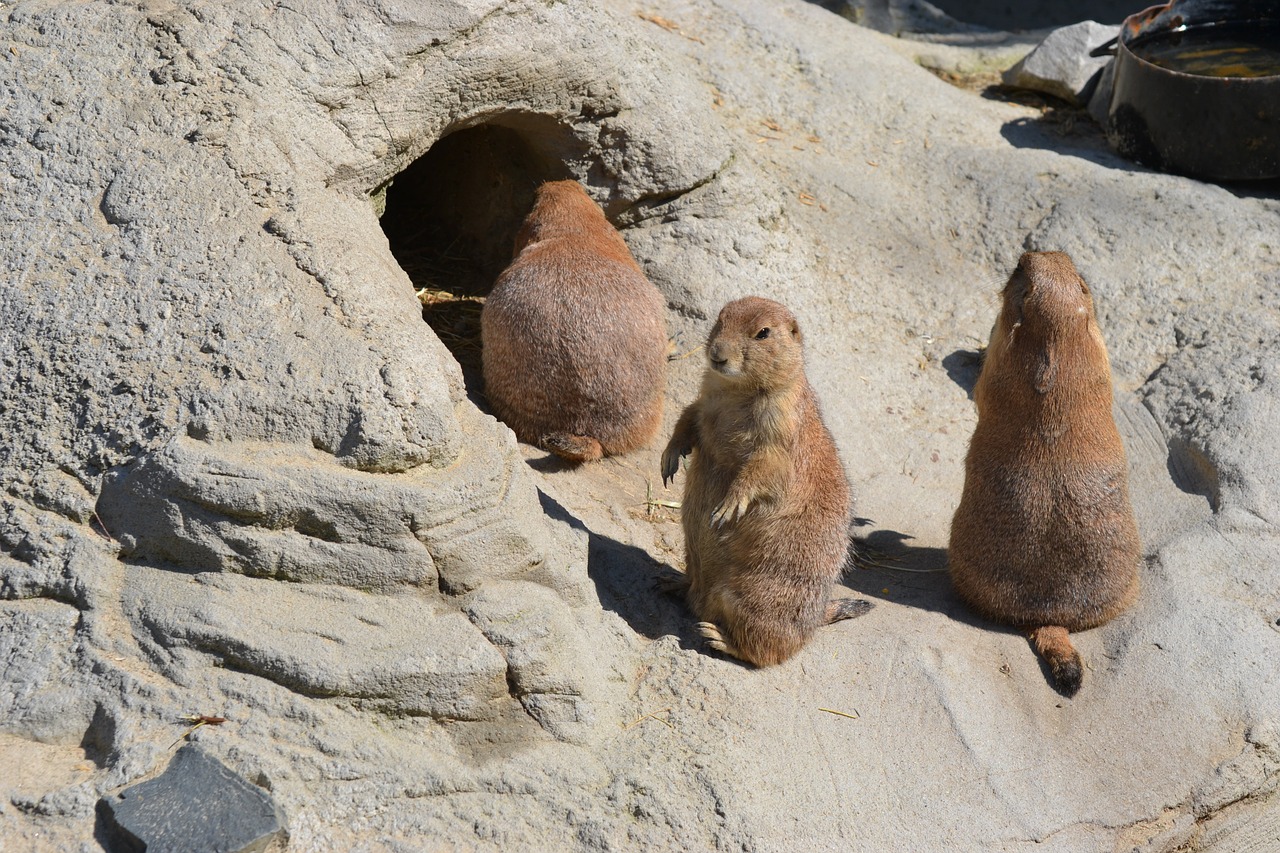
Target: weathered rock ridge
x=244 y=478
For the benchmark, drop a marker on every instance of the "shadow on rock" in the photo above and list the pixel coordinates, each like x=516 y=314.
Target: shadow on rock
x=626 y=581
x=963 y=367
x=473 y=385
x=553 y=464
x=1253 y=189
x=1072 y=131
x=1066 y=131
x=104 y=833
x=1193 y=471
x=886 y=567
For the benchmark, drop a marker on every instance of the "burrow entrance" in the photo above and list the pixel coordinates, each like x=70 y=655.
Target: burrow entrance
x=451 y=218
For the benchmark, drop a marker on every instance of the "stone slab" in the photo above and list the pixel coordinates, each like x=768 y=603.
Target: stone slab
x=197 y=805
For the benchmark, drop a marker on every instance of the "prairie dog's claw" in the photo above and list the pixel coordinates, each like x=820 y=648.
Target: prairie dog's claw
x=730 y=510
x=670 y=465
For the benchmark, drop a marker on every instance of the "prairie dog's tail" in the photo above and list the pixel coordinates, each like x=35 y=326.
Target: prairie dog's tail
x=575 y=448
x=1054 y=645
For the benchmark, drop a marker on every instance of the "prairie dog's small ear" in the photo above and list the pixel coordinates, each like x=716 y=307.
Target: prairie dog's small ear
x=795 y=331
x=1015 y=293
x=1046 y=372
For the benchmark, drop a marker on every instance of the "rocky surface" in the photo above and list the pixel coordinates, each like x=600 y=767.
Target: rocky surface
x=243 y=478
x=1062 y=66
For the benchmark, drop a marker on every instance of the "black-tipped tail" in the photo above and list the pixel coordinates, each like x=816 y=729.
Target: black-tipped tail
x=1054 y=645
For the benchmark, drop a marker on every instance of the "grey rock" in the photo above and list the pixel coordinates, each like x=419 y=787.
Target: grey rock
x=42 y=696
x=1061 y=65
x=197 y=805
x=399 y=652
x=75 y=801
x=292 y=513
x=242 y=477
x=551 y=667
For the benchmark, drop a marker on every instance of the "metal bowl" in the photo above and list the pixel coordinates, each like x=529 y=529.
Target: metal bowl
x=1205 y=125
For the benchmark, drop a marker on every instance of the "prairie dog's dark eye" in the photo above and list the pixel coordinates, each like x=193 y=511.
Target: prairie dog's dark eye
x=762 y=334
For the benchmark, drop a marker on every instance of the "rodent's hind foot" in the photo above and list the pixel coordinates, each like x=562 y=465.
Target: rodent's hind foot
x=716 y=640
x=839 y=609
x=575 y=448
x=671 y=581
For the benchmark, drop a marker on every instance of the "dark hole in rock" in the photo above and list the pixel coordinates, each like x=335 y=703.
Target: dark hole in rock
x=451 y=218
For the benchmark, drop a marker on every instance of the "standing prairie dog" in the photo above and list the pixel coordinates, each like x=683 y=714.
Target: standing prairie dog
x=766 y=508
x=1044 y=537
x=574 y=336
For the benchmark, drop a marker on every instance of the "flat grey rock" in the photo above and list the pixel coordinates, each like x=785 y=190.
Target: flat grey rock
x=197 y=805
x=1061 y=65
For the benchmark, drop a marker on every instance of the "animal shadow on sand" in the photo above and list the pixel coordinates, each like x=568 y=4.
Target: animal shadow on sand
x=963 y=367
x=626 y=577
x=885 y=566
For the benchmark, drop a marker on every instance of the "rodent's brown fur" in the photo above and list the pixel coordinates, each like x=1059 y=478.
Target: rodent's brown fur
x=574 y=336
x=766 y=508
x=1044 y=537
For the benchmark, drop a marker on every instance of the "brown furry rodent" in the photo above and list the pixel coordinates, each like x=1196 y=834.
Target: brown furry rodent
x=574 y=336
x=766 y=508
x=1044 y=537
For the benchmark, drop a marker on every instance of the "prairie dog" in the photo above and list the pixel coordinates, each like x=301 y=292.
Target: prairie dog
x=1044 y=537
x=766 y=507
x=574 y=336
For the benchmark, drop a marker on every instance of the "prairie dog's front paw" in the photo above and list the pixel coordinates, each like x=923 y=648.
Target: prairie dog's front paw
x=731 y=509
x=671 y=463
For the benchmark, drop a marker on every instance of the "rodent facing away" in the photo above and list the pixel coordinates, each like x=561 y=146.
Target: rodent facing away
x=574 y=336
x=766 y=508
x=1044 y=537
